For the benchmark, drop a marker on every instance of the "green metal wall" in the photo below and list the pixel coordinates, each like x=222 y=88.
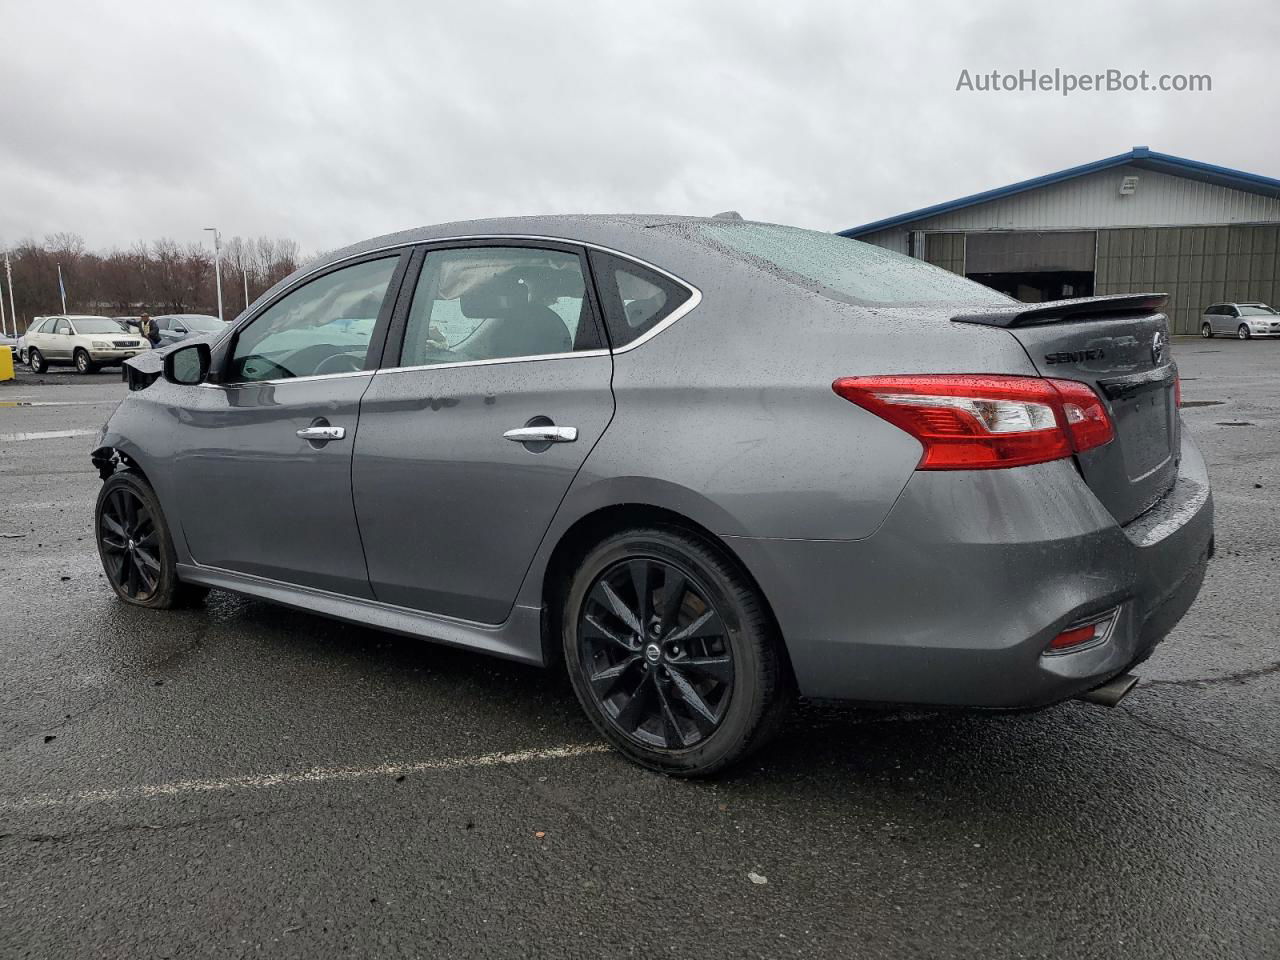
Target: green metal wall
x=945 y=250
x=1196 y=266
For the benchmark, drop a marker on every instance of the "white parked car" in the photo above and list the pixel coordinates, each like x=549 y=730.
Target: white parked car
x=85 y=342
x=1243 y=320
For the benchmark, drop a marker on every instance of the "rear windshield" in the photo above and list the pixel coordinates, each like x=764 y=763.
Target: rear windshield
x=848 y=270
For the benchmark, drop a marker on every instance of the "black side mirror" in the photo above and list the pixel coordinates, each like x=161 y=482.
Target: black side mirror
x=187 y=365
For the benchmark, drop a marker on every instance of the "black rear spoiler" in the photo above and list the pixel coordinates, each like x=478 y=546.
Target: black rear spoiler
x=1056 y=311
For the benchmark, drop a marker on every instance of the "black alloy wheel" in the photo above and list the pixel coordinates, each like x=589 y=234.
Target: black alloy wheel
x=130 y=545
x=672 y=651
x=656 y=653
x=135 y=545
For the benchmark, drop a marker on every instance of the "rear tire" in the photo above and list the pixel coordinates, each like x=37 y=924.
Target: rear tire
x=708 y=679
x=1242 y=331
x=136 y=548
x=1206 y=331
x=36 y=361
x=84 y=363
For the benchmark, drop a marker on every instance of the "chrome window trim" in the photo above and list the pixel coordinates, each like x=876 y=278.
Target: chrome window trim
x=695 y=297
x=531 y=358
x=312 y=376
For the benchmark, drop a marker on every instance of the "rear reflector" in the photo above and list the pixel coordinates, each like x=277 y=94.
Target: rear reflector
x=978 y=421
x=1093 y=630
x=1074 y=637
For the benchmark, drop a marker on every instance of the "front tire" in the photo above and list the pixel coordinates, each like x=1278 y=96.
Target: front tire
x=1206 y=331
x=672 y=653
x=1242 y=331
x=36 y=361
x=135 y=546
x=84 y=363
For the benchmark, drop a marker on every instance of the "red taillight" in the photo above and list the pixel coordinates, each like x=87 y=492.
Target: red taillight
x=1177 y=391
x=977 y=421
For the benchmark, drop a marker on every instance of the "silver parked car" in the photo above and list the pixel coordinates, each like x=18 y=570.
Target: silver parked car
x=1242 y=320
x=179 y=326
x=702 y=465
x=85 y=342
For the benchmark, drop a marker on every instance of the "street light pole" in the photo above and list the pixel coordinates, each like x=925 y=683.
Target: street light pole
x=8 y=275
x=243 y=275
x=217 y=268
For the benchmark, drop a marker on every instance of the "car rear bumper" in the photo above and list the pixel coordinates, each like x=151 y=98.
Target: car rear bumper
x=954 y=600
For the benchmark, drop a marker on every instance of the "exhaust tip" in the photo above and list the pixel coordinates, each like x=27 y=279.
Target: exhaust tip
x=1111 y=692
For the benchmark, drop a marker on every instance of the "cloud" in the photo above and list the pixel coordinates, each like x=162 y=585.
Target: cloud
x=333 y=122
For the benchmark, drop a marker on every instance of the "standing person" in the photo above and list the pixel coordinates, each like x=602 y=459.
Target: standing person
x=147 y=327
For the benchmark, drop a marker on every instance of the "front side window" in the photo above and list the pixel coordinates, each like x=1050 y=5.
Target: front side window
x=844 y=269
x=490 y=303
x=63 y=327
x=320 y=328
x=634 y=299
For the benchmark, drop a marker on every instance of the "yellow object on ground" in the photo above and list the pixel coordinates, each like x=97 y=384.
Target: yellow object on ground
x=6 y=363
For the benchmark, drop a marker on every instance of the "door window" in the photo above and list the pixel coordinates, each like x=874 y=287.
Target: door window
x=634 y=298
x=320 y=328
x=64 y=327
x=489 y=303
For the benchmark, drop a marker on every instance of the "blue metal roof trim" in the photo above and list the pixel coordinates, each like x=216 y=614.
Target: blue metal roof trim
x=1138 y=156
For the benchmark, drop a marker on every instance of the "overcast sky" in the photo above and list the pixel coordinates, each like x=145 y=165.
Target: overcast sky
x=330 y=122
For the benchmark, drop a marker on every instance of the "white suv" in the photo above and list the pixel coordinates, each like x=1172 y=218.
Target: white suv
x=86 y=342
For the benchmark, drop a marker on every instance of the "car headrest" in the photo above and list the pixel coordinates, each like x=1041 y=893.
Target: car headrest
x=501 y=298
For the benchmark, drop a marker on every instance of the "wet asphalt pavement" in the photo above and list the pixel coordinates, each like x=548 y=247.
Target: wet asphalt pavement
x=244 y=780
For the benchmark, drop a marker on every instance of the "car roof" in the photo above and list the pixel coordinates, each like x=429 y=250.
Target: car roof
x=636 y=234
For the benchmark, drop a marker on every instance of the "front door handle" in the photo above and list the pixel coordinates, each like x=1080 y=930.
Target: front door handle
x=543 y=434
x=322 y=434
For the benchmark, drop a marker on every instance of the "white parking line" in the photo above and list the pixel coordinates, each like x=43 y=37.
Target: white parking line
x=47 y=435
x=263 y=781
x=18 y=402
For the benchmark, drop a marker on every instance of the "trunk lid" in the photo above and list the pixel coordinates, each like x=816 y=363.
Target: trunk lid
x=1119 y=345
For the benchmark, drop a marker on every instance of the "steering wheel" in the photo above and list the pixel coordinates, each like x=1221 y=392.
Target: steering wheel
x=341 y=363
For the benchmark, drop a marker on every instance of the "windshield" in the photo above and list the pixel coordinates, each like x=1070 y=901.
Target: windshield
x=1256 y=310
x=202 y=323
x=848 y=269
x=98 y=325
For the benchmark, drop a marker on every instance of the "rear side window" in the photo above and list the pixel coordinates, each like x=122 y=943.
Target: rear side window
x=635 y=299
x=498 y=303
x=845 y=269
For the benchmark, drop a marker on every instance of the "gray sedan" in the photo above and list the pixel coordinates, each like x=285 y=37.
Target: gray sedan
x=179 y=326
x=702 y=465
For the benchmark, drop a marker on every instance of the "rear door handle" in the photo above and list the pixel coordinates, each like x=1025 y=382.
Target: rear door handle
x=322 y=433
x=547 y=434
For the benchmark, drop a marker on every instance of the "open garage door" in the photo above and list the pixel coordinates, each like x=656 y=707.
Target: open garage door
x=1033 y=266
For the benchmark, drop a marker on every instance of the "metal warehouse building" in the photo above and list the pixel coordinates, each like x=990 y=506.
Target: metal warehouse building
x=1134 y=222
